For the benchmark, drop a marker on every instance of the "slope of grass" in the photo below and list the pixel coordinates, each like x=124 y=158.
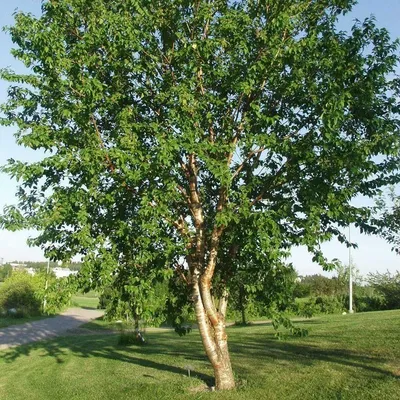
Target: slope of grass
x=344 y=357
x=85 y=300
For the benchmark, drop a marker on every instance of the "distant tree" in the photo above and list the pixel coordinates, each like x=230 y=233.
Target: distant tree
x=270 y=292
x=387 y=285
x=74 y=266
x=317 y=285
x=171 y=127
x=387 y=213
x=343 y=275
x=5 y=272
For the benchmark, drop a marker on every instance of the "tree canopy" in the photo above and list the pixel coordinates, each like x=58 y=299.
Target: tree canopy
x=182 y=137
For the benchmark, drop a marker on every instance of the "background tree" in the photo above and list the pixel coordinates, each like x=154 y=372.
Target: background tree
x=173 y=127
x=387 y=213
x=5 y=272
x=129 y=298
x=388 y=286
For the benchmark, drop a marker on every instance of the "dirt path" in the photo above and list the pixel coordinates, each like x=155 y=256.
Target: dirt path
x=46 y=328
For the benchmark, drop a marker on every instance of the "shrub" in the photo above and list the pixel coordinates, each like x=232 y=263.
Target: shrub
x=320 y=305
x=129 y=337
x=368 y=303
x=330 y=304
x=307 y=309
x=19 y=292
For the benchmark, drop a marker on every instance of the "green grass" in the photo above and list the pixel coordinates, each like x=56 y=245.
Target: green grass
x=344 y=357
x=85 y=300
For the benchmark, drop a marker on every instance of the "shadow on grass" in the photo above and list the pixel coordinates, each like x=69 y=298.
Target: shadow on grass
x=106 y=347
x=261 y=349
x=254 y=347
x=269 y=323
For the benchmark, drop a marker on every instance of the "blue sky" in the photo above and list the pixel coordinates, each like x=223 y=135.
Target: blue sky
x=373 y=254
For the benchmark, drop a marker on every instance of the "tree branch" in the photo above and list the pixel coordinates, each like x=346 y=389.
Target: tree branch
x=249 y=156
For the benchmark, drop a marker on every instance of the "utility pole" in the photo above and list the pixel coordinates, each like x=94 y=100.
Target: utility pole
x=350 y=280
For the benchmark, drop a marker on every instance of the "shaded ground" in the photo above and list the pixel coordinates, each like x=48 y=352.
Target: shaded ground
x=46 y=328
x=349 y=357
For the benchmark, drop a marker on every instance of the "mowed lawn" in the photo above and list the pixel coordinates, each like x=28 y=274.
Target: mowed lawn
x=344 y=357
x=85 y=300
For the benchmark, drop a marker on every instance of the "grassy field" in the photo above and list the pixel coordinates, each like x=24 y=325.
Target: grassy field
x=85 y=300
x=344 y=357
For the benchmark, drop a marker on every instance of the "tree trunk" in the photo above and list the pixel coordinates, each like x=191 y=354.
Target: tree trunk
x=224 y=379
x=202 y=262
x=215 y=341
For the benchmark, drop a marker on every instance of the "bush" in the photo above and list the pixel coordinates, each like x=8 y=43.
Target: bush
x=368 y=303
x=106 y=298
x=127 y=338
x=19 y=292
x=330 y=304
x=306 y=309
x=320 y=305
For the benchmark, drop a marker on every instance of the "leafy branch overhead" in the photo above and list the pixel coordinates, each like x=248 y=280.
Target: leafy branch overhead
x=209 y=132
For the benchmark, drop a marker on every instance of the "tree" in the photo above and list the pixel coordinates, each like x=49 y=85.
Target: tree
x=343 y=275
x=272 y=289
x=387 y=213
x=319 y=285
x=5 y=272
x=191 y=130
x=388 y=286
x=138 y=300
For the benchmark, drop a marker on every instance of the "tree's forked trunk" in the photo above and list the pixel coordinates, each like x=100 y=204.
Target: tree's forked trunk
x=215 y=341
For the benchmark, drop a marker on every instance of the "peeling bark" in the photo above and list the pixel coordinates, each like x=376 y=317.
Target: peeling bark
x=202 y=262
x=213 y=332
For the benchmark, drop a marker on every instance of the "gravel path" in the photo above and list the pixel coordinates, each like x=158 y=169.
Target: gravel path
x=46 y=328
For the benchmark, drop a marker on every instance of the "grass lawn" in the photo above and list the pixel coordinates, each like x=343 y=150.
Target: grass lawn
x=85 y=300
x=344 y=357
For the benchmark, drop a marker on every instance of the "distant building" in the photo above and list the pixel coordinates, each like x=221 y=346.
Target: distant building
x=16 y=266
x=63 y=272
